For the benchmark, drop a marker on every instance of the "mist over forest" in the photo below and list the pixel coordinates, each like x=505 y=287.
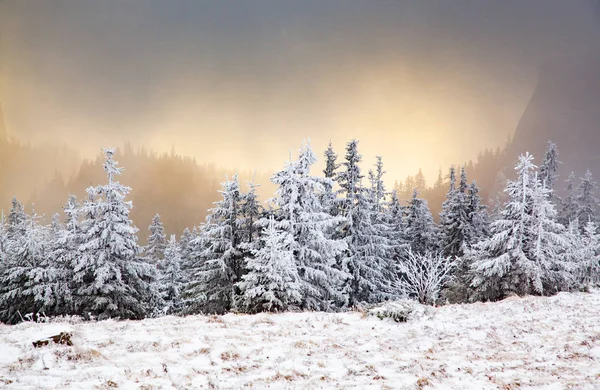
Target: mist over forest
x=422 y=85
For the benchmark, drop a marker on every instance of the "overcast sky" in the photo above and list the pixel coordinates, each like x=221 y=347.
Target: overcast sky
x=424 y=83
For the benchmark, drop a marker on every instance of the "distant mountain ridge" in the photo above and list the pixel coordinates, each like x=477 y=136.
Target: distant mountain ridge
x=565 y=108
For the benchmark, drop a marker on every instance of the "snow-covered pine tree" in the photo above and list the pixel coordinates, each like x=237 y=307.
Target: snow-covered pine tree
x=478 y=216
x=251 y=212
x=588 y=255
x=378 y=187
x=272 y=282
x=393 y=218
x=299 y=212
x=330 y=172
x=65 y=253
x=109 y=278
x=216 y=258
x=3 y=237
x=421 y=231
x=586 y=199
x=171 y=277
x=26 y=254
x=16 y=220
x=157 y=241
x=184 y=244
x=549 y=167
x=569 y=208
x=368 y=248
x=453 y=219
x=525 y=254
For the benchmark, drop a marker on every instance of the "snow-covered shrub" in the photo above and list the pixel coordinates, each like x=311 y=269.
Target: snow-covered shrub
x=401 y=310
x=422 y=276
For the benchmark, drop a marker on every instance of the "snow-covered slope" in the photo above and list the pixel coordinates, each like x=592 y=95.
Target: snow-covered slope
x=528 y=342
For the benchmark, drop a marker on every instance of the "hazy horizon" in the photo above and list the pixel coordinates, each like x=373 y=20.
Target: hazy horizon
x=424 y=84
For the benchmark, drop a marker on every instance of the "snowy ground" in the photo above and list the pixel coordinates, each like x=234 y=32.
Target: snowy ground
x=551 y=343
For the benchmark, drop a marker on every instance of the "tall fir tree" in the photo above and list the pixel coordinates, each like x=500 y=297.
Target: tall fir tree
x=587 y=255
x=299 y=211
x=328 y=195
x=549 y=167
x=421 y=232
x=526 y=252
x=157 y=241
x=110 y=279
x=586 y=199
x=16 y=220
x=479 y=219
x=368 y=248
x=569 y=207
x=21 y=291
x=272 y=282
x=171 y=278
x=217 y=259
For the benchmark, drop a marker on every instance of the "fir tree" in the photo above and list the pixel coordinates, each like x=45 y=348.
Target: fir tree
x=569 y=208
x=588 y=255
x=110 y=280
x=272 y=282
x=157 y=241
x=300 y=213
x=29 y=278
x=586 y=199
x=549 y=167
x=16 y=220
x=217 y=262
x=421 y=232
x=525 y=254
x=171 y=277
x=454 y=219
x=478 y=216
x=328 y=196
x=368 y=249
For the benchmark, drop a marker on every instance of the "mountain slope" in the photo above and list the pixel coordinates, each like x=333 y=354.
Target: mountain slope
x=565 y=108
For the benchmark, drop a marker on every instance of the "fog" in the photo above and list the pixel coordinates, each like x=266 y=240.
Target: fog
x=425 y=83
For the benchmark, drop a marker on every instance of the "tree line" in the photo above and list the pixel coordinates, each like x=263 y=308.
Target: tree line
x=327 y=242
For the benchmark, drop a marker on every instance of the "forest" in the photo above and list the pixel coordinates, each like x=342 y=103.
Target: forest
x=330 y=242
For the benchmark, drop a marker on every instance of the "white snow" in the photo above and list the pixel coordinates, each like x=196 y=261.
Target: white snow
x=532 y=342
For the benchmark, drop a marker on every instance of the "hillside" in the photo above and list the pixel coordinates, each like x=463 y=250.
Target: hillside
x=551 y=343
x=564 y=109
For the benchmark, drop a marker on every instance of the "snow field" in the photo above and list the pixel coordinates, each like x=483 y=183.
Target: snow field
x=532 y=342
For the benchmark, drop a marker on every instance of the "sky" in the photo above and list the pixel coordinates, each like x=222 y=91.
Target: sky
x=424 y=83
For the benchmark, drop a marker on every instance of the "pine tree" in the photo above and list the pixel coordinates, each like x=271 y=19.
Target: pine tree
x=171 y=278
x=549 y=167
x=22 y=289
x=251 y=211
x=110 y=279
x=272 y=282
x=157 y=241
x=16 y=220
x=65 y=254
x=453 y=219
x=588 y=255
x=328 y=195
x=3 y=237
x=421 y=232
x=420 y=183
x=299 y=212
x=217 y=262
x=478 y=216
x=525 y=254
x=377 y=185
x=569 y=208
x=368 y=248
x=586 y=199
